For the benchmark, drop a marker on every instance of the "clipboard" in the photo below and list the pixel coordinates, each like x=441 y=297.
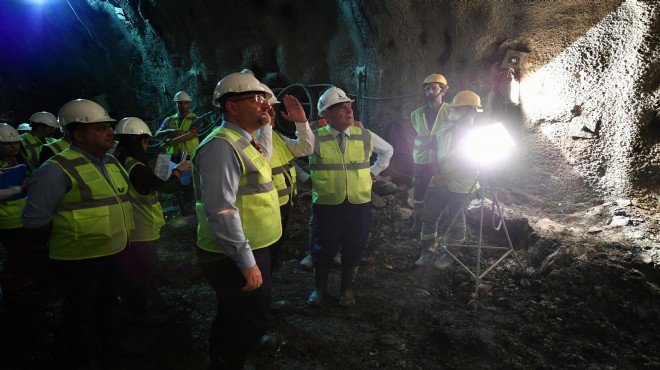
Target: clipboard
x=13 y=176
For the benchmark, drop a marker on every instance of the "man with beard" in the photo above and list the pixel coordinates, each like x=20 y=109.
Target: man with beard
x=239 y=218
x=78 y=203
x=425 y=120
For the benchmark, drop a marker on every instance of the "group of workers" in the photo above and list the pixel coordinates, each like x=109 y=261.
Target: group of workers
x=99 y=215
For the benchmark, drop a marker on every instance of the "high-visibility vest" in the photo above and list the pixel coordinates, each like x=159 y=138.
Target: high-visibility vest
x=95 y=217
x=459 y=180
x=337 y=177
x=423 y=138
x=32 y=146
x=147 y=211
x=281 y=163
x=256 y=199
x=188 y=146
x=10 y=210
x=58 y=145
x=322 y=122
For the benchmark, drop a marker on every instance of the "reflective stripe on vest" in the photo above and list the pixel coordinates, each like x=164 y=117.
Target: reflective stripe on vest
x=423 y=138
x=256 y=198
x=147 y=211
x=281 y=163
x=94 y=218
x=32 y=146
x=337 y=177
x=188 y=146
x=58 y=146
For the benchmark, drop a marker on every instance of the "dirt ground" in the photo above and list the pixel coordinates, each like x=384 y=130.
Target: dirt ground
x=583 y=304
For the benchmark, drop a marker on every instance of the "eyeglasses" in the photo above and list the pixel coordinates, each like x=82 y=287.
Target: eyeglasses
x=260 y=99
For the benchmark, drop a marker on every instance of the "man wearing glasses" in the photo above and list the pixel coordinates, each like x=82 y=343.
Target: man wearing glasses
x=425 y=120
x=453 y=178
x=238 y=212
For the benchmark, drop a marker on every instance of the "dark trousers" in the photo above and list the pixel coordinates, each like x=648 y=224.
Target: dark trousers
x=275 y=248
x=421 y=179
x=91 y=286
x=18 y=270
x=343 y=225
x=136 y=266
x=438 y=200
x=243 y=317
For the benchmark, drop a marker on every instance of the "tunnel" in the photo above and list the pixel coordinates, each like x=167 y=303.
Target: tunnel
x=560 y=266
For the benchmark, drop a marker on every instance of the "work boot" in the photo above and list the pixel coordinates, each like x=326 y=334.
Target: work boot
x=428 y=249
x=445 y=261
x=307 y=263
x=282 y=305
x=347 y=295
x=337 y=259
x=82 y=349
x=416 y=228
x=225 y=361
x=318 y=296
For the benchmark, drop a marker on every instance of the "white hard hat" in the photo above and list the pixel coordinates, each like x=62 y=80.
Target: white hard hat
x=330 y=97
x=83 y=110
x=132 y=126
x=272 y=100
x=238 y=82
x=181 y=96
x=8 y=134
x=24 y=127
x=46 y=118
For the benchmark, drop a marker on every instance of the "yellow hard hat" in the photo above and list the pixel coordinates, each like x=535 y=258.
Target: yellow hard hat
x=437 y=78
x=467 y=98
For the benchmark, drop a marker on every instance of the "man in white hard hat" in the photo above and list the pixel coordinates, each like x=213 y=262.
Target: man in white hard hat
x=453 y=178
x=238 y=213
x=43 y=125
x=78 y=203
x=341 y=193
x=180 y=129
x=425 y=121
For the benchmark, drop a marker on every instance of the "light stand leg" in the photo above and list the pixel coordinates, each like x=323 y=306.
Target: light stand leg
x=478 y=275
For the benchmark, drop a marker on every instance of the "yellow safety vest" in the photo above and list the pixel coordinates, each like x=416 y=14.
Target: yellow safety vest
x=281 y=163
x=32 y=146
x=423 y=138
x=256 y=199
x=10 y=210
x=188 y=146
x=147 y=211
x=58 y=145
x=94 y=218
x=337 y=177
x=463 y=181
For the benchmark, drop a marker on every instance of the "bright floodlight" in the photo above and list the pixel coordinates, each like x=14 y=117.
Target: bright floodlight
x=488 y=144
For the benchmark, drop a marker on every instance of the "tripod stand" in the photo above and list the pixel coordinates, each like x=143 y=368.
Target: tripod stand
x=498 y=209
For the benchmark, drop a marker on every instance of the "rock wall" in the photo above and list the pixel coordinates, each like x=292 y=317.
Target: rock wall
x=589 y=111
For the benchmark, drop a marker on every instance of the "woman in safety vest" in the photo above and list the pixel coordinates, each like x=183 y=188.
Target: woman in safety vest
x=141 y=255
x=12 y=199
